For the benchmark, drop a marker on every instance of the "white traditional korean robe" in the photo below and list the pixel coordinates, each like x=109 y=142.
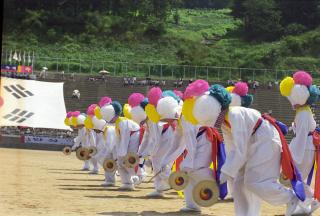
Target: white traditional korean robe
x=127 y=132
x=106 y=143
x=301 y=146
x=156 y=143
x=198 y=159
x=253 y=162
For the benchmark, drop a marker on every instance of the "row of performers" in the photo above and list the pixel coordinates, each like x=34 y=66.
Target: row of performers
x=180 y=131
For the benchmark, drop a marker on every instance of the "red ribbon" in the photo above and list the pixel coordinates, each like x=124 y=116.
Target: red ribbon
x=169 y=124
x=214 y=137
x=287 y=163
x=180 y=159
x=316 y=142
x=142 y=130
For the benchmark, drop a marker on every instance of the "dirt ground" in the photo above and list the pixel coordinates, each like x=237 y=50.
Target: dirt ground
x=49 y=183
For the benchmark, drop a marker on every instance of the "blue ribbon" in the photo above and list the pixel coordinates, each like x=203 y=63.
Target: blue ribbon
x=297 y=185
x=310 y=176
x=223 y=188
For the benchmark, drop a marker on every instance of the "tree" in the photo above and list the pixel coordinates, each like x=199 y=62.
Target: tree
x=306 y=12
x=261 y=18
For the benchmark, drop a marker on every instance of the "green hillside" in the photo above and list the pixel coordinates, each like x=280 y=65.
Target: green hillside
x=206 y=37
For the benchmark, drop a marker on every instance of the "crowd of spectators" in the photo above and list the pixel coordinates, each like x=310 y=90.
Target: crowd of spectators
x=18 y=75
x=39 y=132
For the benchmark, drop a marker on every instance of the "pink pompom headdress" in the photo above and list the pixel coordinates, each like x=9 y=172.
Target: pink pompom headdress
x=105 y=100
x=241 y=89
x=154 y=95
x=135 y=99
x=302 y=78
x=90 y=110
x=69 y=114
x=196 y=88
x=76 y=113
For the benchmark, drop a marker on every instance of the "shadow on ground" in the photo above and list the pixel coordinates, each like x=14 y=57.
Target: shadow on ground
x=130 y=197
x=151 y=213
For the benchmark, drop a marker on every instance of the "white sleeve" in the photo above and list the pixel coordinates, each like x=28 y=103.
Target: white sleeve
x=178 y=144
x=92 y=138
x=77 y=142
x=122 y=149
x=241 y=133
x=299 y=142
x=148 y=139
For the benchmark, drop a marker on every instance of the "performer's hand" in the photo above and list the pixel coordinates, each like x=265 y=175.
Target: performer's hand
x=224 y=178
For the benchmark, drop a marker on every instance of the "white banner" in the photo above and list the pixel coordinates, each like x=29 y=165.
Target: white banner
x=32 y=103
x=48 y=140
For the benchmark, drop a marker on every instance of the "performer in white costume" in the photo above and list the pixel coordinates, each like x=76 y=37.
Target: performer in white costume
x=198 y=140
x=105 y=144
x=256 y=146
x=135 y=110
x=90 y=139
x=127 y=131
x=163 y=111
x=76 y=121
x=239 y=97
x=301 y=94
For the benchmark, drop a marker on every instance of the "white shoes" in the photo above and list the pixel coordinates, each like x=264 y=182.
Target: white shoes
x=291 y=206
x=126 y=187
x=108 y=184
x=155 y=194
x=189 y=209
x=139 y=179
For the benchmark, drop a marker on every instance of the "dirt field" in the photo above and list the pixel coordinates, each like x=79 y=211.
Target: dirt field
x=49 y=183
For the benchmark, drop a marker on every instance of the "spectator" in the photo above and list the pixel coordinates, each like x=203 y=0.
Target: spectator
x=43 y=72
x=269 y=85
x=104 y=78
x=163 y=83
x=72 y=77
x=62 y=75
x=125 y=81
x=76 y=94
x=254 y=86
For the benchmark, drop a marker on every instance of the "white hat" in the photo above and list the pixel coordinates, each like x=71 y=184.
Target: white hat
x=167 y=108
x=138 y=114
x=107 y=112
x=81 y=118
x=206 y=110
x=98 y=124
x=236 y=100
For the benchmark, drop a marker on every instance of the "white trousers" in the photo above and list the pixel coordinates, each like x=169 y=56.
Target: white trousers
x=86 y=165
x=161 y=180
x=125 y=173
x=110 y=177
x=259 y=182
x=305 y=168
x=95 y=164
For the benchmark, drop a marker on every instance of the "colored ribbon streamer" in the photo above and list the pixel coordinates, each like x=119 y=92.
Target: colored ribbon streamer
x=287 y=163
x=316 y=142
x=218 y=158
